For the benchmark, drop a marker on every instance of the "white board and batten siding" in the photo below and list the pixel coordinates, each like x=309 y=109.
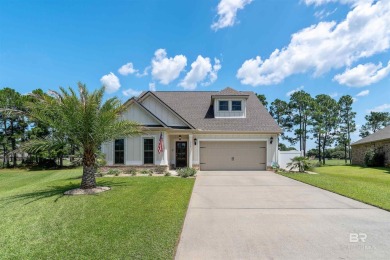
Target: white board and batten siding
x=162 y=112
x=137 y=114
x=134 y=149
x=230 y=113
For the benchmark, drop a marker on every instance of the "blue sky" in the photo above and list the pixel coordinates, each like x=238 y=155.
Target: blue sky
x=335 y=47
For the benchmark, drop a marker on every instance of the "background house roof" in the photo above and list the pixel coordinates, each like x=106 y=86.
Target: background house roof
x=377 y=136
x=195 y=108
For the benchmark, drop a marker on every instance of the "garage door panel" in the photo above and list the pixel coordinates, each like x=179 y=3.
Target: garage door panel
x=232 y=155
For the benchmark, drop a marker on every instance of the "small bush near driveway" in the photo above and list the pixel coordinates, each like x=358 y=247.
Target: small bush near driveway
x=186 y=172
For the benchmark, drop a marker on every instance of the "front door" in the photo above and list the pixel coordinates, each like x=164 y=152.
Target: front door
x=181 y=154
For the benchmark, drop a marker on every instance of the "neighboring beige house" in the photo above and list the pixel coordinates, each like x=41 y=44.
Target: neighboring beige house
x=226 y=130
x=378 y=140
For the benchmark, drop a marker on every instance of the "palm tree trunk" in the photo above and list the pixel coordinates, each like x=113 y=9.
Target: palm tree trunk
x=88 y=180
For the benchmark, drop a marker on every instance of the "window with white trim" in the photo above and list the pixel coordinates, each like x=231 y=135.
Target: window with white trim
x=236 y=105
x=148 y=151
x=223 y=105
x=119 y=151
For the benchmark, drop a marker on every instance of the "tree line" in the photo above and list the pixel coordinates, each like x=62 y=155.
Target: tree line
x=323 y=119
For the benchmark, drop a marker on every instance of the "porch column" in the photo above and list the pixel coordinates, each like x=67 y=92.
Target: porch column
x=190 y=144
x=166 y=148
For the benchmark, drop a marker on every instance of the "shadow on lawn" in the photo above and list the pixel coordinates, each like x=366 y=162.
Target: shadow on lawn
x=55 y=192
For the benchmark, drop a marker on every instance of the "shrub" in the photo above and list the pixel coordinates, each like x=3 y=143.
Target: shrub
x=186 y=172
x=150 y=173
x=144 y=171
x=159 y=169
x=374 y=158
x=113 y=172
x=131 y=171
x=299 y=162
x=100 y=162
x=275 y=166
x=167 y=173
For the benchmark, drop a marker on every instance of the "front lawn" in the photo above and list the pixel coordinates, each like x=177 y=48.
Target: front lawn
x=141 y=217
x=369 y=185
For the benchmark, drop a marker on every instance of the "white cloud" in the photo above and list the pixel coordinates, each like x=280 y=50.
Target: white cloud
x=227 y=11
x=354 y=100
x=127 y=69
x=363 y=93
x=322 y=2
x=201 y=70
x=165 y=69
x=380 y=108
x=324 y=13
x=152 y=86
x=131 y=92
x=294 y=90
x=324 y=46
x=363 y=75
x=144 y=73
x=110 y=82
x=334 y=94
x=214 y=72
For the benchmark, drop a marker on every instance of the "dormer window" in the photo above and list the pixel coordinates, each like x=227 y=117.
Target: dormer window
x=223 y=105
x=236 y=105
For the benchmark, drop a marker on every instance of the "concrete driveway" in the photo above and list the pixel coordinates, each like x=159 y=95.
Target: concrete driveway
x=262 y=215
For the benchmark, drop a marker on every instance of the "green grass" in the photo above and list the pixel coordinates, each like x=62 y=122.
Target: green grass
x=330 y=162
x=369 y=185
x=141 y=217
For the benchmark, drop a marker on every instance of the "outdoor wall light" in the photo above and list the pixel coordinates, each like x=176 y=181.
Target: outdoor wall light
x=195 y=141
x=271 y=140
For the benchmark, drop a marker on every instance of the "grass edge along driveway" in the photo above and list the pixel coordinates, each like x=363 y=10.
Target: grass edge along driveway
x=141 y=217
x=368 y=185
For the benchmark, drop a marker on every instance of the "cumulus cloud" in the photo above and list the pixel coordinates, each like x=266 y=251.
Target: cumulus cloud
x=201 y=72
x=363 y=75
x=131 y=92
x=152 y=86
x=144 y=73
x=324 y=46
x=380 y=108
x=127 y=69
x=294 y=90
x=363 y=93
x=227 y=12
x=110 y=82
x=165 y=69
x=334 y=94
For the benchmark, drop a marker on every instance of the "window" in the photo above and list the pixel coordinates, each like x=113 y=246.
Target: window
x=223 y=105
x=119 y=149
x=148 y=151
x=236 y=105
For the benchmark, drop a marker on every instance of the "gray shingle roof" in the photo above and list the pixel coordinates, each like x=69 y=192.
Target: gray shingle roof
x=382 y=134
x=197 y=109
x=229 y=92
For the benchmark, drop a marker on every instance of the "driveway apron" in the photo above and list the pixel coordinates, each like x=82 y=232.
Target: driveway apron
x=263 y=215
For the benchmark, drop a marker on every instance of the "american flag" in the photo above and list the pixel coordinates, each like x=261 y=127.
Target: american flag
x=160 y=147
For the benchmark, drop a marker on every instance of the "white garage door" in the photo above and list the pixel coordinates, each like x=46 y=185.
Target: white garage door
x=229 y=155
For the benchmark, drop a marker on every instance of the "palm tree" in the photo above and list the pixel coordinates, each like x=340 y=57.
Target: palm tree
x=85 y=119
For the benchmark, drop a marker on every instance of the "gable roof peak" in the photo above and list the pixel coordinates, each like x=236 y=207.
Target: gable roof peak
x=228 y=91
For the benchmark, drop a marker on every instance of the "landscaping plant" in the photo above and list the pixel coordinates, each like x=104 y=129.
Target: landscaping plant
x=86 y=119
x=299 y=162
x=186 y=172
